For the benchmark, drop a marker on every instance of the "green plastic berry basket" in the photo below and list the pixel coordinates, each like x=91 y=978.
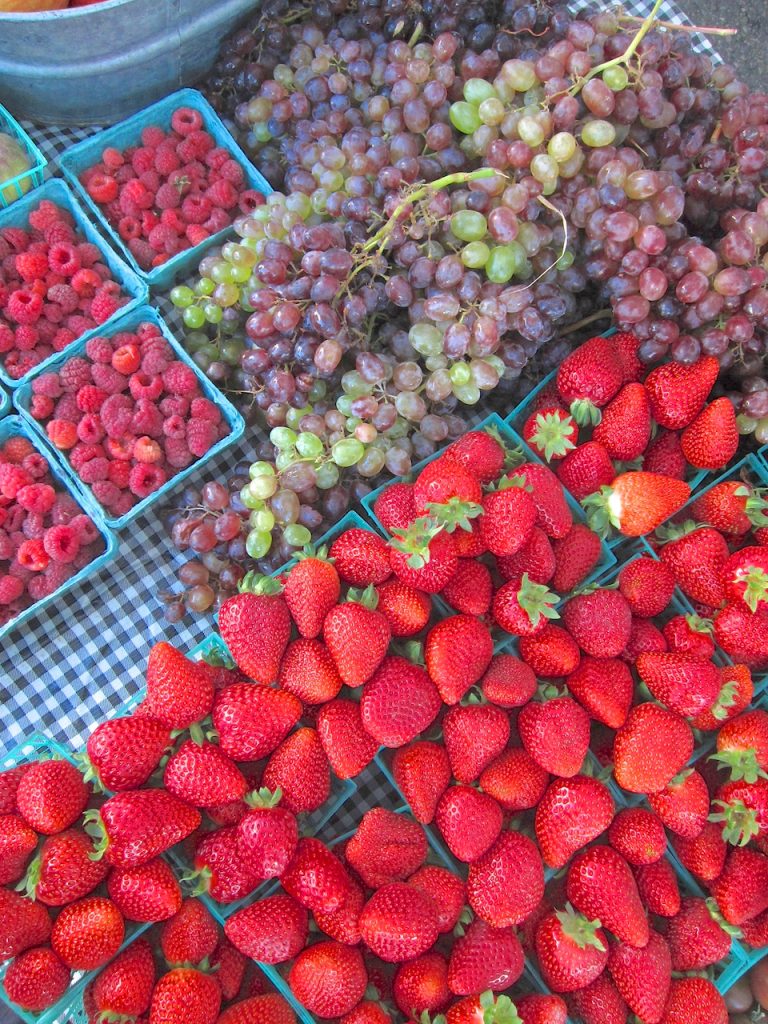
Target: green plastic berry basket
x=127 y=133
x=129 y=322
x=17 y=216
x=15 y=188
x=13 y=426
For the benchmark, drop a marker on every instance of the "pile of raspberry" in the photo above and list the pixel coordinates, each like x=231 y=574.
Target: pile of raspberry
x=128 y=414
x=170 y=193
x=53 y=288
x=45 y=537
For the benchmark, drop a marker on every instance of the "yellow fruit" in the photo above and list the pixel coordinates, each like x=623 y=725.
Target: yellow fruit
x=29 y=6
x=13 y=161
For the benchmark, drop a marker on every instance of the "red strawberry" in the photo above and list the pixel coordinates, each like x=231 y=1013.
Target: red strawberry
x=310 y=590
x=643 y=637
x=399 y=923
x=555 y=734
x=445 y=889
x=470 y=588
x=23 y=924
x=541 y=1009
x=650 y=748
x=732 y=507
x=647 y=585
x=600 y=884
x=688 y=634
x=395 y=507
x=686 y=685
x=222 y=873
x=267 y=835
x=664 y=455
x=398 y=702
x=571 y=814
x=696 y=559
x=514 y=780
x=625 y=346
x=536 y=559
x=271 y=930
x=551 y=432
x=230 y=966
x=146 y=893
x=88 y=933
x=712 y=439
x=9 y=783
x=469 y=543
x=179 y=690
x=64 y=870
x=189 y=936
x=506 y=884
x=316 y=878
x=252 y=721
x=347 y=745
x=361 y=557
x=604 y=687
x=17 y=844
x=694 y=1001
x=474 y=736
x=185 y=994
x=745 y=577
x=522 y=607
x=36 y=980
x=600 y=1002
x=658 y=887
x=424 y=556
x=635 y=503
x=742 y=810
x=485 y=958
x=309 y=672
x=457 y=652
x=357 y=637
x=386 y=848
x=678 y=391
x=509 y=682
x=589 y=377
x=586 y=470
x=421 y=985
x=599 y=622
x=422 y=773
x=201 y=774
x=445 y=481
x=343 y=924
x=122 y=753
x=742 y=745
x=683 y=804
x=134 y=827
x=124 y=987
x=572 y=951
x=704 y=855
x=480 y=451
x=469 y=822
x=696 y=939
x=508 y=519
x=256 y=626
x=743 y=634
x=552 y=512
x=329 y=979
x=643 y=976
x=300 y=769
x=482 y=1008
x=576 y=555
x=638 y=835
x=51 y=796
x=625 y=427
x=406 y=609
x=269 y=1008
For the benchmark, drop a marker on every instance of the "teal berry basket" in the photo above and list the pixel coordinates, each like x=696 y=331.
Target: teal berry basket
x=129 y=322
x=127 y=133
x=737 y=969
x=5 y=403
x=15 y=188
x=56 y=191
x=13 y=426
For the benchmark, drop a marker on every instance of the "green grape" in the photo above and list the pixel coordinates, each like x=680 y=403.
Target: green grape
x=344 y=404
x=261 y=469
x=597 y=134
x=283 y=74
x=243 y=256
x=496 y=362
x=240 y=273
x=248 y=499
x=353 y=422
x=258 y=543
x=297 y=535
x=469 y=225
x=566 y=260
x=530 y=131
x=464 y=117
x=426 y=339
x=616 y=78
x=181 y=296
x=371 y=463
x=195 y=341
x=354 y=385
x=477 y=89
x=347 y=452
x=549 y=187
x=205 y=286
x=467 y=394
x=231 y=351
x=492 y=111
x=520 y=74
x=327 y=476
x=220 y=272
x=317 y=393
x=262 y=519
x=193 y=317
x=285 y=459
x=475 y=255
x=544 y=168
x=460 y=374
x=263 y=487
x=562 y=146
x=282 y=437
x=501 y=264
x=261 y=133
x=319 y=200
x=213 y=312
x=300 y=203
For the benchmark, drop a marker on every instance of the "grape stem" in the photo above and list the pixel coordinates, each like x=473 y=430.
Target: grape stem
x=601 y=314
x=709 y=30
x=623 y=58
x=550 y=206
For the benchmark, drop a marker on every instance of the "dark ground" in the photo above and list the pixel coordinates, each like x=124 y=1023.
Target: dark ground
x=748 y=51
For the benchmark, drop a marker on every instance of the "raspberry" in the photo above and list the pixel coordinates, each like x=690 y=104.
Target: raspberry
x=33 y=554
x=40 y=587
x=93 y=470
x=147 y=450
x=205 y=409
x=36 y=465
x=119 y=473
x=90 y=398
x=196 y=234
x=6 y=546
x=232 y=172
x=88 y=253
x=26 y=337
x=37 y=498
x=85 y=528
x=58 y=573
x=126 y=359
x=149 y=220
x=6 y=338
x=11 y=589
x=153 y=135
x=63 y=295
x=31 y=265
x=86 y=281
x=107 y=378
x=65 y=509
x=186 y=120
x=80 y=324
x=75 y=374
x=59 y=234
x=18 y=366
x=177 y=453
x=16 y=449
x=142 y=252
x=63 y=338
x=201 y=436
x=218 y=220
x=143 y=386
x=174 y=405
x=21 y=572
x=84 y=452
x=180 y=379
x=134 y=194
x=147 y=419
x=166 y=161
x=123 y=174
x=173 y=219
x=52 y=314
x=103 y=307
x=33 y=526
x=61 y=542
x=129 y=227
x=196 y=209
x=121 y=448
x=47 y=213
x=215 y=157
x=62 y=434
x=112 y=158
x=64 y=259
x=174 y=426
x=143 y=159
x=167 y=197
x=152 y=180
x=155 y=361
x=116 y=415
x=24 y=307
x=12 y=479
x=99 y=349
x=144 y=479
x=90 y=429
x=41 y=407
x=180 y=181
x=222 y=194
x=125 y=502
x=102 y=188
x=105 y=492
x=162 y=237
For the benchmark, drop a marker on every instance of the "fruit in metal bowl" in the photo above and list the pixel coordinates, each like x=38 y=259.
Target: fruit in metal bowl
x=31 y=6
x=13 y=161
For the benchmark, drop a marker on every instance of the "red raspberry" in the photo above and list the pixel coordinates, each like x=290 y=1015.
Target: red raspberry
x=31 y=265
x=93 y=470
x=186 y=120
x=104 y=306
x=33 y=526
x=66 y=409
x=6 y=338
x=102 y=188
x=147 y=450
x=128 y=228
x=134 y=194
x=84 y=452
x=126 y=359
x=222 y=194
x=105 y=492
x=166 y=160
x=155 y=361
x=36 y=465
x=201 y=436
x=112 y=158
x=196 y=209
x=41 y=407
x=86 y=281
x=64 y=259
x=17 y=238
x=142 y=386
x=37 y=498
x=180 y=181
x=177 y=452
x=26 y=337
x=62 y=339
x=24 y=307
x=232 y=172
x=145 y=478
x=174 y=220
x=121 y=448
x=163 y=238
x=174 y=405
x=47 y=213
x=16 y=449
x=65 y=296
x=12 y=479
x=62 y=434
x=90 y=398
x=80 y=324
x=143 y=159
x=64 y=510
x=75 y=374
x=180 y=379
x=116 y=415
x=107 y=378
x=119 y=472
x=33 y=554
x=218 y=220
x=62 y=542
x=123 y=174
x=52 y=315
x=149 y=220
x=18 y=365
x=147 y=419
x=11 y=589
x=205 y=409
x=57 y=573
x=88 y=253
x=152 y=180
x=85 y=528
x=196 y=234
x=167 y=197
x=142 y=252
x=153 y=135
x=59 y=234
x=90 y=429
x=174 y=426
x=215 y=157
x=15 y=568
x=125 y=502
x=99 y=349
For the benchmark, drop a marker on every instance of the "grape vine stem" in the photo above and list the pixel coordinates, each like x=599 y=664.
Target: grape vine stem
x=623 y=58
x=708 y=30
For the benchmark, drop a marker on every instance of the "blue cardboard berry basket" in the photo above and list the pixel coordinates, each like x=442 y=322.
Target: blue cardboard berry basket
x=14 y=188
x=128 y=322
x=56 y=191
x=86 y=154
x=11 y=427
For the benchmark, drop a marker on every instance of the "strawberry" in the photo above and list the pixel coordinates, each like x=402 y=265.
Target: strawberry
x=536 y=558
x=694 y=1001
x=309 y=672
x=571 y=814
x=541 y=1009
x=185 y=994
x=550 y=432
x=474 y=736
x=316 y=878
x=36 y=980
x=386 y=848
x=552 y=512
x=469 y=822
x=360 y=557
x=329 y=979
x=201 y=774
x=9 y=783
x=445 y=481
x=677 y=391
x=643 y=976
x=742 y=810
x=399 y=923
x=572 y=951
x=586 y=470
x=348 y=746
x=23 y=924
x=635 y=503
x=310 y=590
x=745 y=577
x=124 y=987
x=424 y=556
x=470 y=589
x=509 y=516
x=422 y=773
x=122 y=753
x=271 y=931
x=179 y=690
x=743 y=634
x=343 y=924
x=733 y=507
x=742 y=745
x=683 y=804
x=132 y=828
x=626 y=346
x=51 y=796
x=647 y=586
x=267 y=835
x=522 y=607
x=252 y=721
x=650 y=748
x=736 y=690
x=483 y=1008
x=686 y=685
x=480 y=451
x=189 y=936
x=300 y=769
x=600 y=884
x=221 y=872
x=755 y=931
x=485 y=958
x=550 y=653
x=696 y=939
x=514 y=780
x=394 y=507
x=658 y=887
x=445 y=889
x=588 y=379
x=230 y=966
x=357 y=637
x=625 y=427
x=508 y=682
x=689 y=634
x=576 y=555
x=696 y=559
x=599 y=622
x=421 y=985
x=643 y=637
x=406 y=609
x=604 y=687
x=17 y=844
x=146 y=893
x=398 y=702
x=712 y=439
x=703 y=855
x=88 y=933
x=269 y=1008
x=457 y=652
x=365 y=1013
x=555 y=734
x=469 y=543
x=64 y=870
x=506 y=884
x=638 y=835
x=600 y=1002
x=256 y=626
x=664 y=455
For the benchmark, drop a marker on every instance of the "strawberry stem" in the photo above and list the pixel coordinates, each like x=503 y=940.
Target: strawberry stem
x=264 y=798
x=743 y=764
x=552 y=436
x=739 y=821
x=536 y=600
x=454 y=514
x=255 y=583
x=580 y=929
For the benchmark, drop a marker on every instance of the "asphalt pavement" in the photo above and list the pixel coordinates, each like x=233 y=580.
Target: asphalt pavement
x=747 y=51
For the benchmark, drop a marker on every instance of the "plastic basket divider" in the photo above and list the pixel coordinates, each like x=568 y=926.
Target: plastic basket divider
x=15 y=188
x=5 y=403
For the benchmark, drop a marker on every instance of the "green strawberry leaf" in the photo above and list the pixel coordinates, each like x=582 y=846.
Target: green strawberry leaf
x=264 y=798
x=552 y=436
x=585 y=412
x=537 y=600
x=739 y=822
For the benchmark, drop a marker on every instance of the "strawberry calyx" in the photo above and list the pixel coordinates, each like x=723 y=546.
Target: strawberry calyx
x=29 y=883
x=755 y=507
x=714 y=913
x=554 y=433
x=628 y=465
x=537 y=600
x=466 y=917
x=415 y=539
x=498 y=1009
x=368 y=598
x=699 y=625
x=580 y=929
x=739 y=821
x=743 y=764
x=512 y=480
x=309 y=551
x=512 y=456
x=263 y=798
x=454 y=514
x=219 y=656
x=413 y=651
x=110 y=1017
x=725 y=701
x=424 y=1018
x=755 y=582
x=198 y=881
x=90 y=772
x=256 y=583
x=675 y=531
x=585 y=413
x=93 y=824
x=602 y=511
